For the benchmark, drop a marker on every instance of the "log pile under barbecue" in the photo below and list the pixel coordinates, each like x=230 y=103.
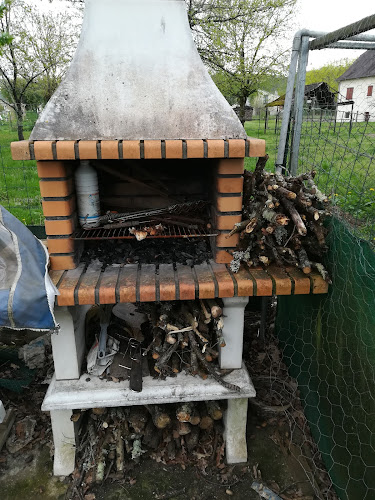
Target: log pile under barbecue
x=185 y=336
x=282 y=221
x=113 y=439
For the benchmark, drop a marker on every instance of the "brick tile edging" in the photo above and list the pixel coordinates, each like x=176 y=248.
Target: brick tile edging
x=148 y=149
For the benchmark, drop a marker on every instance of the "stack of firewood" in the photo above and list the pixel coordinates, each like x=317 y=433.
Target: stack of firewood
x=186 y=336
x=282 y=221
x=115 y=438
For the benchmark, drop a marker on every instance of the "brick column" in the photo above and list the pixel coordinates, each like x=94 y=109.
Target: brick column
x=228 y=211
x=58 y=200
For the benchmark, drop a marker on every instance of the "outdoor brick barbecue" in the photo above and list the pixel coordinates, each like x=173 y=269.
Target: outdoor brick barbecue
x=81 y=284
x=222 y=159
x=135 y=102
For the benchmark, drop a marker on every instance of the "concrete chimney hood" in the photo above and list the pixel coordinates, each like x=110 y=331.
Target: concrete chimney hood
x=137 y=75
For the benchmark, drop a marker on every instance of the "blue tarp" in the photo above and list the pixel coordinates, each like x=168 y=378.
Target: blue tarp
x=26 y=292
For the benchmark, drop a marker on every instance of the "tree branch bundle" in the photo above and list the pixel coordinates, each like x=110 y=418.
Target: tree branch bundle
x=185 y=336
x=282 y=221
x=114 y=440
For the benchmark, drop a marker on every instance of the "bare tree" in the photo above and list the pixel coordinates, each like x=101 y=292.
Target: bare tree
x=40 y=45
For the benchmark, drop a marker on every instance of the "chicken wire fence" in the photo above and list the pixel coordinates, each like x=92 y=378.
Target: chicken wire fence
x=338 y=142
x=327 y=341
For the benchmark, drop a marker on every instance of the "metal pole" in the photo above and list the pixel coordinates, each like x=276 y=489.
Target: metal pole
x=298 y=106
x=285 y=123
x=364 y=24
x=318 y=34
x=351 y=120
x=288 y=103
x=336 y=112
x=351 y=45
x=320 y=120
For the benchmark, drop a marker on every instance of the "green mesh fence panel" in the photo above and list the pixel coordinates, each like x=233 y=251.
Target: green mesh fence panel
x=328 y=344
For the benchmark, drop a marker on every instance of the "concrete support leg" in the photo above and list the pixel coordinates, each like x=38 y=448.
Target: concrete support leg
x=68 y=344
x=235 y=431
x=64 y=441
x=234 y=311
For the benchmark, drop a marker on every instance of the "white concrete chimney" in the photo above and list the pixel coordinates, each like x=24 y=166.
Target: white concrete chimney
x=136 y=74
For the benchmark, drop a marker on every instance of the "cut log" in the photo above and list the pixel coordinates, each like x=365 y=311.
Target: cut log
x=304 y=262
x=205 y=311
x=184 y=412
x=285 y=193
x=238 y=228
x=214 y=410
x=120 y=452
x=183 y=428
x=138 y=418
x=206 y=422
x=151 y=436
x=275 y=218
x=175 y=363
x=216 y=310
x=192 y=322
x=159 y=417
x=164 y=358
x=290 y=207
x=319 y=233
x=192 y=439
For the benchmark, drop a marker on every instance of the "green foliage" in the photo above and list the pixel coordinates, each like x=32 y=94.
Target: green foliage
x=274 y=83
x=5 y=37
x=237 y=40
x=328 y=73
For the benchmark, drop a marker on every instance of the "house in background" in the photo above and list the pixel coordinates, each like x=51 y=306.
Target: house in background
x=357 y=84
x=320 y=96
x=317 y=96
x=260 y=101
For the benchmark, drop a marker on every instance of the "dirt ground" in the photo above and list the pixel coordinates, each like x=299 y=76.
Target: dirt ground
x=28 y=475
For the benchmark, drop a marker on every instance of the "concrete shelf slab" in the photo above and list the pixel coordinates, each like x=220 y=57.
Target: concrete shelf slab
x=91 y=392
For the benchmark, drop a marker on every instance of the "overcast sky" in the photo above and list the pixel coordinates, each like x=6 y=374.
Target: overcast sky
x=315 y=15
x=330 y=15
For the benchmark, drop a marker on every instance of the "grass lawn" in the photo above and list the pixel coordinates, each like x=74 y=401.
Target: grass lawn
x=345 y=165
x=19 y=186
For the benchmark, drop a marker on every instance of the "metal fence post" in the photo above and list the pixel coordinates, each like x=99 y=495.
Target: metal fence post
x=288 y=103
x=298 y=105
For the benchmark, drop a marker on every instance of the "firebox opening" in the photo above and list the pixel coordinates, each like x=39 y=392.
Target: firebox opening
x=161 y=208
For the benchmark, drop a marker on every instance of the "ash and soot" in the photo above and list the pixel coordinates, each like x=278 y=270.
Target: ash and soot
x=152 y=251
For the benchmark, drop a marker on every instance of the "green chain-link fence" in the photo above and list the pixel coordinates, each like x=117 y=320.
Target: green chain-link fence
x=328 y=344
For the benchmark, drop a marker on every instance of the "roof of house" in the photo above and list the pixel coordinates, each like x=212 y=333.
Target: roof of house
x=362 y=67
x=313 y=86
x=319 y=89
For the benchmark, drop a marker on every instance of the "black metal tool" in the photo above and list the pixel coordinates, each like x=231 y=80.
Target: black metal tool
x=135 y=382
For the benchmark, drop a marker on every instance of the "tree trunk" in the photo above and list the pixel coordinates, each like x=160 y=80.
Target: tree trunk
x=20 y=123
x=241 y=114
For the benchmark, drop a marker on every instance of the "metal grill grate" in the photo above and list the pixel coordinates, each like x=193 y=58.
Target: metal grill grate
x=170 y=231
